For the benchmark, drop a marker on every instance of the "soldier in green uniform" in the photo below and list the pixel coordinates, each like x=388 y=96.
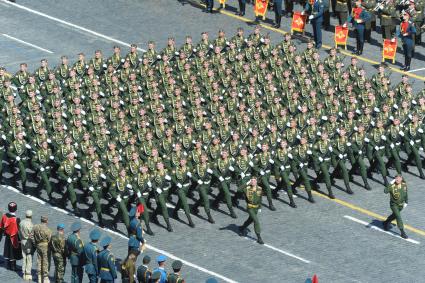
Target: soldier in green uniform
x=18 y=153
x=321 y=161
x=175 y=277
x=74 y=248
x=58 y=252
x=182 y=179
x=161 y=185
x=42 y=235
x=398 y=200
x=93 y=182
x=253 y=195
x=42 y=163
x=282 y=170
x=121 y=190
x=68 y=174
x=202 y=176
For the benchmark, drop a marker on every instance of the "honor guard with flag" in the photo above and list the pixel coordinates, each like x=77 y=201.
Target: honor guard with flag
x=9 y=227
x=407 y=33
x=358 y=18
x=315 y=9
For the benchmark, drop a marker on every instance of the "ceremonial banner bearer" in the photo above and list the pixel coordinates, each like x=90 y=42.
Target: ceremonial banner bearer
x=315 y=9
x=407 y=33
x=358 y=18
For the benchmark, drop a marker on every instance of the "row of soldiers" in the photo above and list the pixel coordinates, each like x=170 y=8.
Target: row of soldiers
x=142 y=127
x=95 y=258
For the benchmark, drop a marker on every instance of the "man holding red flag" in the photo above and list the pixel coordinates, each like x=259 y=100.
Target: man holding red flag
x=9 y=226
x=407 y=33
x=358 y=18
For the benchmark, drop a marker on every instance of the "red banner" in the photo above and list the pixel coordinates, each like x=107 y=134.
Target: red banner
x=341 y=35
x=298 y=22
x=260 y=7
x=389 y=49
x=222 y=2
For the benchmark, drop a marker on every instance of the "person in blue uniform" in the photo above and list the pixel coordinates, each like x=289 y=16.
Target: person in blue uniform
x=407 y=34
x=161 y=268
x=75 y=247
x=358 y=18
x=277 y=13
x=315 y=9
x=106 y=262
x=90 y=253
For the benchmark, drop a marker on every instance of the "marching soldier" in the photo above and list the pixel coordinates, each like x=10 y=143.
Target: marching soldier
x=74 y=249
x=68 y=173
x=398 y=200
x=181 y=178
x=161 y=185
x=143 y=188
x=253 y=195
x=202 y=176
x=282 y=169
x=58 y=252
x=42 y=163
x=338 y=158
x=300 y=163
x=321 y=161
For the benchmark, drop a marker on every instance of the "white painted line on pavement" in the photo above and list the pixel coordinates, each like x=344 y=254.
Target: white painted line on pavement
x=70 y=24
x=370 y=226
x=281 y=251
x=200 y=268
x=416 y=70
x=27 y=43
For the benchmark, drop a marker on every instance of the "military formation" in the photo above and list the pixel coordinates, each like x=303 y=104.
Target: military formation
x=204 y=117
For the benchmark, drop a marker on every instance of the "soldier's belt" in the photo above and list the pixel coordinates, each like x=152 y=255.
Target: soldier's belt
x=227 y=178
x=186 y=185
x=397 y=143
x=418 y=141
x=386 y=16
x=207 y=182
x=104 y=269
x=252 y=205
x=326 y=159
x=267 y=171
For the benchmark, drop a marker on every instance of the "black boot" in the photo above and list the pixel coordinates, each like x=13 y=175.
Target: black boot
x=242 y=231
x=367 y=187
x=191 y=224
x=169 y=228
x=349 y=191
x=385 y=225
x=408 y=64
x=210 y=219
x=310 y=197
x=232 y=213
x=260 y=240
x=403 y=234
x=175 y=214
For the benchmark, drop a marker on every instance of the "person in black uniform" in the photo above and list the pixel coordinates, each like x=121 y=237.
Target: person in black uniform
x=277 y=12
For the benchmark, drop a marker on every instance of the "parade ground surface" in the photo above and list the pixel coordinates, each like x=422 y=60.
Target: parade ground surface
x=340 y=240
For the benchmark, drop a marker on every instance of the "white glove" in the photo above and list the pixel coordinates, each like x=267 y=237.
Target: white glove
x=421 y=131
x=221 y=179
x=158 y=57
x=119 y=198
x=103 y=176
x=168 y=178
x=340 y=156
x=69 y=180
x=348 y=143
x=18 y=158
x=189 y=174
x=149 y=184
x=330 y=149
x=91 y=189
x=271 y=161
x=290 y=155
x=251 y=164
x=309 y=152
x=376 y=148
x=392 y=145
x=209 y=171
x=3 y=137
x=384 y=138
x=129 y=186
x=42 y=169
x=179 y=185
x=158 y=191
x=401 y=133
x=301 y=165
x=200 y=182
x=404 y=205
x=324 y=118
x=28 y=146
x=366 y=140
x=282 y=168
x=360 y=152
x=412 y=142
x=262 y=173
x=231 y=168
x=320 y=159
x=77 y=166
x=310 y=17
x=139 y=194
